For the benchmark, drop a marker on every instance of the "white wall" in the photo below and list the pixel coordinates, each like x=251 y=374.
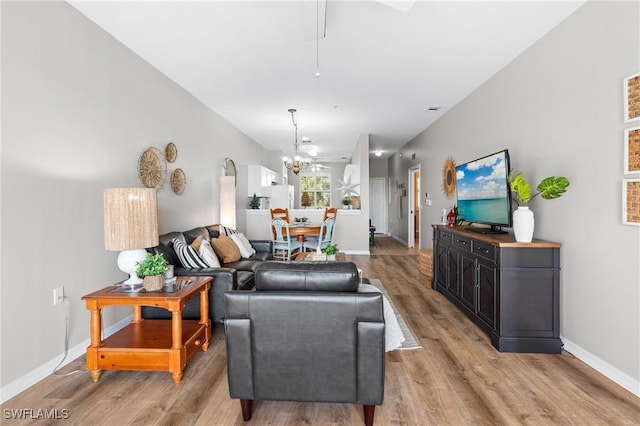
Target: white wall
x=78 y=108
x=558 y=109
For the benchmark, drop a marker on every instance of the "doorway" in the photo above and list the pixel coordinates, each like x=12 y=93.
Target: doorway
x=413 y=238
x=378 y=204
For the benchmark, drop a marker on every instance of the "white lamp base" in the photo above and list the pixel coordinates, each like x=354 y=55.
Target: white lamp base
x=127 y=262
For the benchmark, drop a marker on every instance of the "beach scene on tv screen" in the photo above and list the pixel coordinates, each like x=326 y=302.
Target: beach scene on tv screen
x=482 y=190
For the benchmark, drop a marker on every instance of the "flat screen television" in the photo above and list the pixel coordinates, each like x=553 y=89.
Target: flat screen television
x=482 y=192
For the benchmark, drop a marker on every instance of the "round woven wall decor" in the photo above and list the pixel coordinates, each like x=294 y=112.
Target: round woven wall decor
x=171 y=152
x=178 y=181
x=152 y=169
x=449 y=177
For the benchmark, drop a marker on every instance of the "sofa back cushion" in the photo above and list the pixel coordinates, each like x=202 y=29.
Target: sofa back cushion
x=307 y=276
x=194 y=233
x=165 y=246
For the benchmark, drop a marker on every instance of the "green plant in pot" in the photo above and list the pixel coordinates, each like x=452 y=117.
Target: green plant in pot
x=152 y=270
x=255 y=202
x=549 y=188
x=346 y=202
x=330 y=250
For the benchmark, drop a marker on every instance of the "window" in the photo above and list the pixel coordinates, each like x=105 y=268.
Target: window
x=315 y=190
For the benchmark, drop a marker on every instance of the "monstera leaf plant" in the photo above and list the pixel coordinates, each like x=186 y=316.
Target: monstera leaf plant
x=549 y=188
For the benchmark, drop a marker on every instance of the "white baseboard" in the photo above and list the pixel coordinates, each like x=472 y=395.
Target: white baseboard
x=621 y=378
x=357 y=252
x=34 y=376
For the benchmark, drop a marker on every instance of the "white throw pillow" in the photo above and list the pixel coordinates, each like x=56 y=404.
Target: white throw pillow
x=208 y=255
x=247 y=244
x=244 y=251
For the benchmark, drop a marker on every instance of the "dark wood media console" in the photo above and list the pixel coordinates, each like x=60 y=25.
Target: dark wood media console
x=510 y=290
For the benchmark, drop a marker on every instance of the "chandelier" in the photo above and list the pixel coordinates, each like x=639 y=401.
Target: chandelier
x=296 y=163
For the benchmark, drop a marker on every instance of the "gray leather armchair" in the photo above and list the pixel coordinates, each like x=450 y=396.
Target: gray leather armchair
x=306 y=334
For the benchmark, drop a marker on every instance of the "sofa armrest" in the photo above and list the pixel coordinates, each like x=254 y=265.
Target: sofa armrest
x=224 y=279
x=262 y=246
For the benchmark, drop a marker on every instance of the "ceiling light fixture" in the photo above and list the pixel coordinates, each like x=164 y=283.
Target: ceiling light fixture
x=378 y=153
x=296 y=163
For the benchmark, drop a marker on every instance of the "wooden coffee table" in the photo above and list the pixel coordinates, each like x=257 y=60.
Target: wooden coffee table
x=145 y=344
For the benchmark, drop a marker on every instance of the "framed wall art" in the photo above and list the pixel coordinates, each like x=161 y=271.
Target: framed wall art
x=631 y=91
x=631 y=202
x=632 y=150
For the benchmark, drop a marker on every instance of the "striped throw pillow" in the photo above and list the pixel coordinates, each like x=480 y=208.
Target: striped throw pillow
x=226 y=231
x=187 y=255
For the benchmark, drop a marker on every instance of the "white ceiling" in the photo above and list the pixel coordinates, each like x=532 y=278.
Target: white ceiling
x=381 y=68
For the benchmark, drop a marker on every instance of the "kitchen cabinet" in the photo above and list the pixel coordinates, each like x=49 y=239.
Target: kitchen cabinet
x=259 y=179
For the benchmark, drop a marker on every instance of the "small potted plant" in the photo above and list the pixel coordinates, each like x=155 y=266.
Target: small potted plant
x=152 y=270
x=255 y=202
x=346 y=202
x=330 y=250
x=549 y=188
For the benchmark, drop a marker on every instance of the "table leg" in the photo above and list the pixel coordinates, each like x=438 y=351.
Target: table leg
x=96 y=342
x=175 y=360
x=204 y=316
x=137 y=313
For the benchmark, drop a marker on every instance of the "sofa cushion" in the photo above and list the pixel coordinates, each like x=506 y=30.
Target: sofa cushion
x=244 y=265
x=213 y=231
x=245 y=280
x=262 y=256
x=165 y=246
x=246 y=251
x=196 y=243
x=226 y=249
x=192 y=234
x=307 y=276
x=208 y=255
x=189 y=258
x=224 y=230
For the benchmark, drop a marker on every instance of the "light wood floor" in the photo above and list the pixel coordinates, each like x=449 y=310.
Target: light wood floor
x=457 y=378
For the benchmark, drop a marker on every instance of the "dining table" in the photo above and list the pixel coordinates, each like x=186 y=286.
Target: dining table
x=302 y=229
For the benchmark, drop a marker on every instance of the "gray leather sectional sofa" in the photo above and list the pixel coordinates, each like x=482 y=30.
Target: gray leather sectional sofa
x=230 y=276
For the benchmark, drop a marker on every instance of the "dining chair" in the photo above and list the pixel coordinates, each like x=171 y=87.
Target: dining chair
x=280 y=213
x=283 y=245
x=330 y=212
x=323 y=239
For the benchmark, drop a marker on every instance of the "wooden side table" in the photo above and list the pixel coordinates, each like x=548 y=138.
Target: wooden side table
x=154 y=345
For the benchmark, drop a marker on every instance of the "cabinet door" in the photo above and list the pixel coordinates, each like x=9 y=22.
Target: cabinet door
x=487 y=284
x=453 y=283
x=468 y=281
x=442 y=257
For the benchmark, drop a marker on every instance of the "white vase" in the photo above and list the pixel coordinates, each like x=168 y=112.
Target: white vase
x=523 y=223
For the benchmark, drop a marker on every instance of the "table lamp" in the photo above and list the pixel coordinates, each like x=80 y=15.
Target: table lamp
x=130 y=225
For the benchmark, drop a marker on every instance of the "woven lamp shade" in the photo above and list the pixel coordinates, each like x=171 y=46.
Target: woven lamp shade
x=130 y=218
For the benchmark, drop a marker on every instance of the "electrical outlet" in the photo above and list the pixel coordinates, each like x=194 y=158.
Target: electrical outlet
x=58 y=295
